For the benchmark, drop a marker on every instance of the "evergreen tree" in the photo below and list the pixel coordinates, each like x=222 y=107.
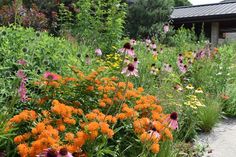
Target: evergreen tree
x=182 y=3
x=146 y=17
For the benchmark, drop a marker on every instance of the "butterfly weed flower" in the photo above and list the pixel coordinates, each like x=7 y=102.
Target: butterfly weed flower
x=130 y=70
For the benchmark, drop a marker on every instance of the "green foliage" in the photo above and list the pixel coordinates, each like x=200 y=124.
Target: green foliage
x=100 y=23
x=41 y=52
x=230 y=91
x=186 y=40
x=182 y=3
x=167 y=149
x=209 y=115
x=146 y=17
x=6 y=142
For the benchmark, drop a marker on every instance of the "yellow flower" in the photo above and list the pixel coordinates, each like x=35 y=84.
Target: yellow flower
x=189 y=86
x=199 y=90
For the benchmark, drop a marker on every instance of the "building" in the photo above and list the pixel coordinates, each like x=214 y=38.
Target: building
x=218 y=20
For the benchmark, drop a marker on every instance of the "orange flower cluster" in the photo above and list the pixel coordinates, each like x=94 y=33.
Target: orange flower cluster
x=72 y=124
x=25 y=115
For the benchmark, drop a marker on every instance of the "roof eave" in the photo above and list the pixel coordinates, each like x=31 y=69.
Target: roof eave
x=212 y=18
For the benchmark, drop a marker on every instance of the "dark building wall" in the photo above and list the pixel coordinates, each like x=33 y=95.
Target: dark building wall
x=198 y=27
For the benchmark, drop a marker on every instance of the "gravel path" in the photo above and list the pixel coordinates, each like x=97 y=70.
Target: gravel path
x=222 y=140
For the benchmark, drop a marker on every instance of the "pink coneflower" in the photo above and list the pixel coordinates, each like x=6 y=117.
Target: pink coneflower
x=98 y=52
x=153 y=46
x=132 y=42
x=64 y=153
x=161 y=50
x=148 y=41
x=184 y=69
x=50 y=76
x=154 y=52
x=172 y=119
x=130 y=70
x=87 y=60
x=166 y=28
x=154 y=133
x=22 y=62
x=126 y=60
x=201 y=54
x=136 y=62
x=168 y=67
x=131 y=52
x=127 y=49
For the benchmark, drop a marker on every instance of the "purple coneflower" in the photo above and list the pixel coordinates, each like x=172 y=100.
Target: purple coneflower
x=22 y=62
x=153 y=45
x=148 y=42
x=154 y=52
x=127 y=49
x=166 y=28
x=154 y=133
x=168 y=67
x=98 y=52
x=50 y=76
x=130 y=70
x=64 y=153
x=136 y=62
x=87 y=60
x=172 y=120
x=132 y=42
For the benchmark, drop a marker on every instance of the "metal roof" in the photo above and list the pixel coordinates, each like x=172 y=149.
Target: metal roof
x=217 y=9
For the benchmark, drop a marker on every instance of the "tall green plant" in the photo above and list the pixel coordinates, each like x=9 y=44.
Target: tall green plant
x=100 y=22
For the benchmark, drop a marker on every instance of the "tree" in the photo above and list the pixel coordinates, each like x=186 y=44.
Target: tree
x=182 y=3
x=146 y=17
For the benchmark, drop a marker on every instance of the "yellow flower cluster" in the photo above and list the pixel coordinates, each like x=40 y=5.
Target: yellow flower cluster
x=193 y=102
x=113 y=60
